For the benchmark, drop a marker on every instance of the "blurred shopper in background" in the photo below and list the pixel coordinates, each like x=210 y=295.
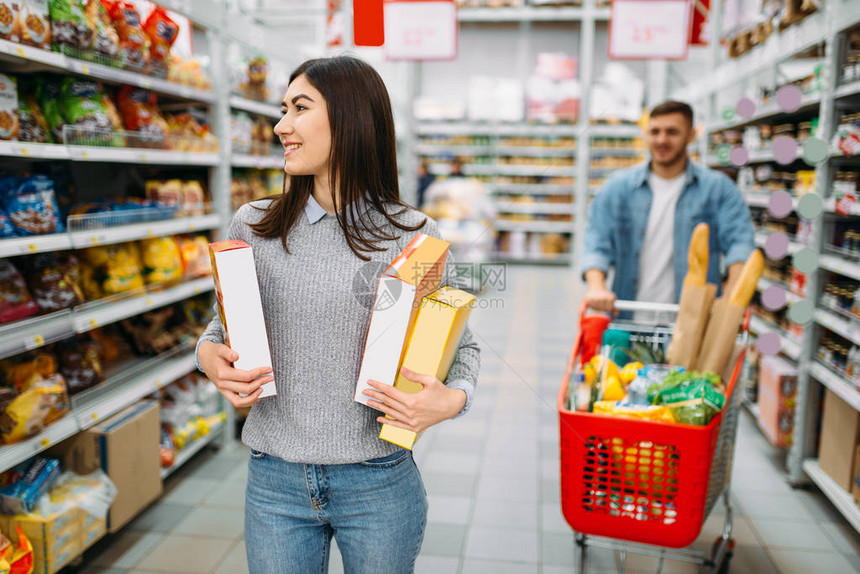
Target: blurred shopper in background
x=640 y=222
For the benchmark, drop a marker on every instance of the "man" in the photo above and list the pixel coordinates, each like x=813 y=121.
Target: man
x=641 y=221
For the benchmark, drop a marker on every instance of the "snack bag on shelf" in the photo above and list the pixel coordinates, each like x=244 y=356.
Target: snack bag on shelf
x=22 y=371
x=195 y=255
x=111 y=269
x=162 y=32
x=140 y=113
x=47 y=91
x=21 y=561
x=69 y=28
x=82 y=106
x=695 y=305
x=8 y=107
x=193 y=198
x=45 y=401
x=80 y=364
x=32 y=124
x=92 y=493
x=50 y=282
x=9 y=22
x=31 y=204
x=105 y=38
x=15 y=301
x=254 y=86
x=35 y=24
x=162 y=261
x=133 y=40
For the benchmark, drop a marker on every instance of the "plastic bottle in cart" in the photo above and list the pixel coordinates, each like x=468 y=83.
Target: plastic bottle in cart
x=637 y=392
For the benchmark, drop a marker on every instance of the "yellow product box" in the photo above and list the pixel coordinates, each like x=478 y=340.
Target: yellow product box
x=431 y=347
x=50 y=562
x=48 y=532
x=93 y=528
x=415 y=273
x=240 y=307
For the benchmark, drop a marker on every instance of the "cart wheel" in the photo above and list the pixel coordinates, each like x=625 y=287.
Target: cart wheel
x=724 y=567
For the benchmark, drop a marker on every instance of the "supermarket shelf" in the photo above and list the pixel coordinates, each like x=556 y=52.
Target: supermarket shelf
x=790 y=297
x=81 y=239
x=531 y=188
x=758 y=199
x=779 y=47
x=790 y=347
x=841 y=326
x=534 y=226
x=254 y=107
x=839 y=265
x=186 y=453
x=619 y=131
x=98 y=313
x=34 y=244
x=841 y=499
x=16 y=453
x=530 y=14
x=98 y=71
x=257 y=161
x=432 y=150
x=847 y=90
x=501 y=129
x=128 y=387
x=33 y=150
x=34 y=332
x=524 y=170
x=836 y=383
x=617 y=152
x=535 y=208
x=830 y=206
x=770 y=110
x=558 y=259
x=144 y=156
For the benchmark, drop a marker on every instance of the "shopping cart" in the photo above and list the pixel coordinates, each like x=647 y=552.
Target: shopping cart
x=647 y=487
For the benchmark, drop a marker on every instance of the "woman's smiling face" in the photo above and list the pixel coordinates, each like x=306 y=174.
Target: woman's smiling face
x=304 y=130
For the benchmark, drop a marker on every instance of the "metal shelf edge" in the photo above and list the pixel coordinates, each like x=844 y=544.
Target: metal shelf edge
x=833 y=381
x=838 y=325
x=841 y=266
x=841 y=499
x=83 y=239
x=261 y=108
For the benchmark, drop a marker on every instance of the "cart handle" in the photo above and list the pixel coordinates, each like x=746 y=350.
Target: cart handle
x=645 y=306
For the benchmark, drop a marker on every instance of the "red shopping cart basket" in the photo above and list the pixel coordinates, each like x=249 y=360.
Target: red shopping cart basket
x=643 y=481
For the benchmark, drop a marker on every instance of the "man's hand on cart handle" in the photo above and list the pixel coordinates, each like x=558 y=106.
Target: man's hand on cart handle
x=598 y=297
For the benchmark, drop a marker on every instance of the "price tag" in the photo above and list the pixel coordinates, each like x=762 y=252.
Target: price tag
x=150 y=233
x=95 y=240
x=84 y=155
x=143 y=158
x=32 y=248
x=190 y=227
x=649 y=29
x=94 y=416
x=149 y=302
x=25 y=151
x=45 y=442
x=147 y=84
x=197 y=290
x=85 y=69
x=34 y=342
x=20 y=52
x=158 y=383
x=93 y=323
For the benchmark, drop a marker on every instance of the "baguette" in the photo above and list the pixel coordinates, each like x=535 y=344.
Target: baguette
x=697 y=257
x=746 y=285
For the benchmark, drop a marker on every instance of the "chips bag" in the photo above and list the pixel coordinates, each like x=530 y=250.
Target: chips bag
x=162 y=261
x=35 y=23
x=70 y=30
x=132 y=39
x=105 y=38
x=162 y=32
x=15 y=301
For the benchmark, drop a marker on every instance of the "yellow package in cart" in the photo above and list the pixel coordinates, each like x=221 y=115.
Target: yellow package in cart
x=431 y=347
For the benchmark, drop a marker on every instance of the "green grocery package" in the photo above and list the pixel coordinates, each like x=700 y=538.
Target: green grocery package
x=693 y=398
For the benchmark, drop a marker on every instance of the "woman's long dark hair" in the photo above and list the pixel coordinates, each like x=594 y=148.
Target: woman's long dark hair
x=363 y=157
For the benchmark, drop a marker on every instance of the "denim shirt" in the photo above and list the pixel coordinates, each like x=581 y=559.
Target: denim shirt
x=619 y=214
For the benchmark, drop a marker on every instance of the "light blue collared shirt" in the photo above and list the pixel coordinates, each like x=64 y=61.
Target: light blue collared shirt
x=314 y=211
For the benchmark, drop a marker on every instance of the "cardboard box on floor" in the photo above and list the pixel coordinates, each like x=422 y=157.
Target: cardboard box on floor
x=776 y=399
x=840 y=431
x=415 y=273
x=431 y=347
x=855 y=486
x=240 y=307
x=129 y=454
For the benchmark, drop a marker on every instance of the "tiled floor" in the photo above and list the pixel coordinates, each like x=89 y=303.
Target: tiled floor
x=492 y=477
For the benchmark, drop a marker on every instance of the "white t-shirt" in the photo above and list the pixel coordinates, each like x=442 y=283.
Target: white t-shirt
x=656 y=265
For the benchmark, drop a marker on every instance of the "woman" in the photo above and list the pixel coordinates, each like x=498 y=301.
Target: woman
x=317 y=467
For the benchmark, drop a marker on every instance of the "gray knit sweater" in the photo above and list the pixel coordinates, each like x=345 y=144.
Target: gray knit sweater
x=317 y=303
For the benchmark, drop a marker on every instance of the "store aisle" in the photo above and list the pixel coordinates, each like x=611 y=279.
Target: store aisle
x=492 y=477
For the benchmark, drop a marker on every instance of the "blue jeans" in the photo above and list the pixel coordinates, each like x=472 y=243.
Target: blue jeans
x=376 y=510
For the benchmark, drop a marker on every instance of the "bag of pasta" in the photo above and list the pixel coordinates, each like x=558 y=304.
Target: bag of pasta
x=70 y=31
x=132 y=39
x=105 y=38
x=162 y=32
x=110 y=270
x=35 y=24
x=44 y=402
